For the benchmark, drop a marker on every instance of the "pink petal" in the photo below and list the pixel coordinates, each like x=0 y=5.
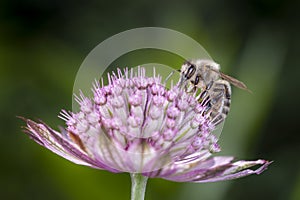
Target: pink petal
x=210 y=170
x=61 y=145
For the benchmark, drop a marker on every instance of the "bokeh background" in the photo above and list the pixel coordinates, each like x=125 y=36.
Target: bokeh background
x=42 y=44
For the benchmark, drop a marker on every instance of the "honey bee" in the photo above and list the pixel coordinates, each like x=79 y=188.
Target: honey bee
x=215 y=89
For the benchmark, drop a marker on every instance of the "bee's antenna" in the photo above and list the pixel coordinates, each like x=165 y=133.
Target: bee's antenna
x=168 y=77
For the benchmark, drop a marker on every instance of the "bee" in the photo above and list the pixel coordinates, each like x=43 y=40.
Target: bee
x=215 y=89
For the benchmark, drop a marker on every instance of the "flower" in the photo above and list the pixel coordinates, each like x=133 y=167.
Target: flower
x=135 y=124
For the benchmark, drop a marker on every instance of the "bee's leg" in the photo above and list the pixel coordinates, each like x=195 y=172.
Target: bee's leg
x=190 y=88
x=205 y=101
x=194 y=89
x=218 y=119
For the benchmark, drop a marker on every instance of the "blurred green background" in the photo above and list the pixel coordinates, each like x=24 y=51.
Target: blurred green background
x=42 y=44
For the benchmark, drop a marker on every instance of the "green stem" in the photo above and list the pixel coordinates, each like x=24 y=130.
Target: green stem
x=138 y=186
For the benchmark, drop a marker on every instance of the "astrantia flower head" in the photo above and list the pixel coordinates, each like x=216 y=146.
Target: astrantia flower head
x=135 y=124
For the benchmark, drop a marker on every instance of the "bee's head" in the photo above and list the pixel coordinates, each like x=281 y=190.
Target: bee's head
x=188 y=69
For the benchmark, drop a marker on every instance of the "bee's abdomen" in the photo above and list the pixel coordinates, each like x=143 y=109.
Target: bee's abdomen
x=218 y=100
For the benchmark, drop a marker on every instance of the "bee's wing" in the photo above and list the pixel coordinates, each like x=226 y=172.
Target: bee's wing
x=234 y=82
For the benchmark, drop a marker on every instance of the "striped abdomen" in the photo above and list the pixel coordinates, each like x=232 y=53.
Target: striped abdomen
x=217 y=98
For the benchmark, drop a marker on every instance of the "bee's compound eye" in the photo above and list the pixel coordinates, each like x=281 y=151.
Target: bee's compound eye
x=190 y=71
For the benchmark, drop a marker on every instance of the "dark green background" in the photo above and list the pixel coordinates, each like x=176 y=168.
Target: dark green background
x=42 y=44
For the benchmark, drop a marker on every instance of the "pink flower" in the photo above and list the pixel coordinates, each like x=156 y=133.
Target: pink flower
x=136 y=125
